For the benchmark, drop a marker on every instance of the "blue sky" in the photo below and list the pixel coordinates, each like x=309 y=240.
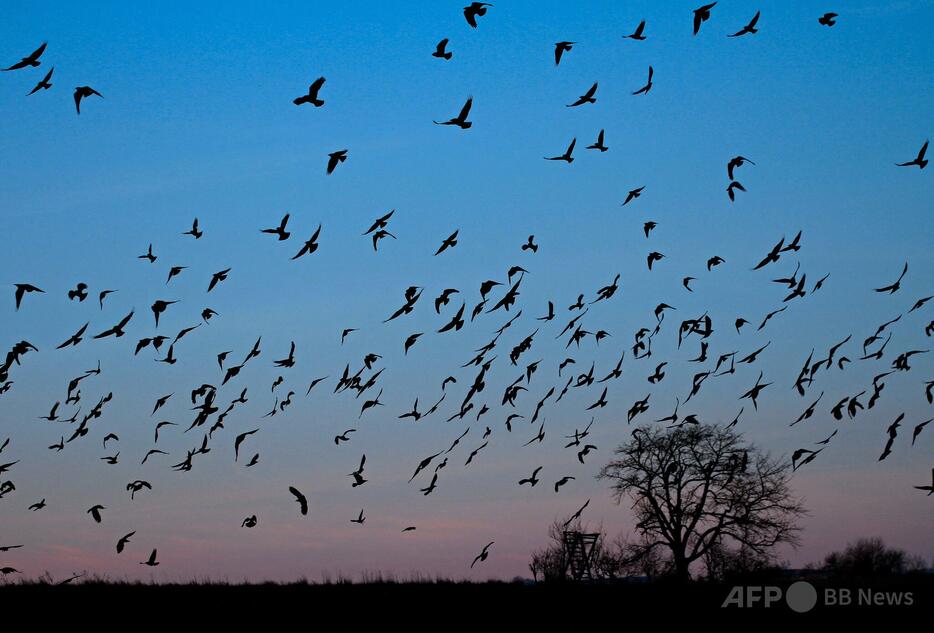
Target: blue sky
x=197 y=120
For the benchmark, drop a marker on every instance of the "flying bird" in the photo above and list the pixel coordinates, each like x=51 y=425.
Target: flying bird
x=475 y=9
x=218 y=277
x=567 y=155
x=440 y=50
x=312 y=96
x=561 y=48
x=31 y=60
x=95 y=512
x=644 y=90
x=893 y=288
x=300 y=498
x=919 y=161
x=151 y=561
x=121 y=544
x=732 y=188
x=598 y=145
x=81 y=92
x=632 y=195
x=701 y=15
x=638 y=33
x=22 y=290
x=334 y=158
x=148 y=255
x=449 y=242
x=195 y=232
x=44 y=84
x=279 y=231
x=587 y=97
x=461 y=119
x=750 y=28
x=736 y=161
x=483 y=555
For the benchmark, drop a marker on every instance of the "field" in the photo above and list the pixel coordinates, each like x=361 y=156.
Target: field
x=483 y=603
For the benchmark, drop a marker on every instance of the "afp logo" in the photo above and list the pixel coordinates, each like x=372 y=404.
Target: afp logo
x=800 y=597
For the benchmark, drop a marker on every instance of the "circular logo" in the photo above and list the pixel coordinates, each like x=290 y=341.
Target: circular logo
x=801 y=596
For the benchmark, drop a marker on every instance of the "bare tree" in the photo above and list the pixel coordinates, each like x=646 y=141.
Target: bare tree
x=723 y=563
x=550 y=562
x=870 y=557
x=697 y=487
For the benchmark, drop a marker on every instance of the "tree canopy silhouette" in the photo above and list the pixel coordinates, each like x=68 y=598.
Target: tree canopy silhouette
x=871 y=557
x=700 y=487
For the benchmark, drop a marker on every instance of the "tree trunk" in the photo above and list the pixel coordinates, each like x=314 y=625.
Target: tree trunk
x=682 y=572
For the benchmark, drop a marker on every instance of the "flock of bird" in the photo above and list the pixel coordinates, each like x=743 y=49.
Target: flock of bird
x=214 y=403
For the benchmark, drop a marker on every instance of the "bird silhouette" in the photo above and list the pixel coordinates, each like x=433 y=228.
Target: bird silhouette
x=31 y=60
x=919 y=161
x=473 y=10
x=95 y=512
x=151 y=561
x=300 y=498
x=483 y=555
x=567 y=155
x=24 y=289
x=195 y=232
x=701 y=15
x=929 y=488
x=894 y=287
x=562 y=482
x=312 y=96
x=736 y=161
x=587 y=97
x=644 y=90
x=218 y=277
x=441 y=51
x=44 y=84
x=598 y=145
x=117 y=330
x=561 y=48
x=732 y=188
x=633 y=194
x=750 y=28
x=334 y=159
x=638 y=33
x=279 y=231
x=310 y=246
x=461 y=119
x=449 y=242
x=531 y=480
x=82 y=92
x=103 y=295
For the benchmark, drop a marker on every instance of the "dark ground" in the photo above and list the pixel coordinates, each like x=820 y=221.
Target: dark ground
x=433 y=605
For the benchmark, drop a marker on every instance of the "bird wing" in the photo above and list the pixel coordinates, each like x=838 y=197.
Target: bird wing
x=466 y=109
x=36 y=54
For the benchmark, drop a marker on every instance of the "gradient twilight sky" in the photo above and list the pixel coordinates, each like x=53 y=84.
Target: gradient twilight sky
x=197 y=120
